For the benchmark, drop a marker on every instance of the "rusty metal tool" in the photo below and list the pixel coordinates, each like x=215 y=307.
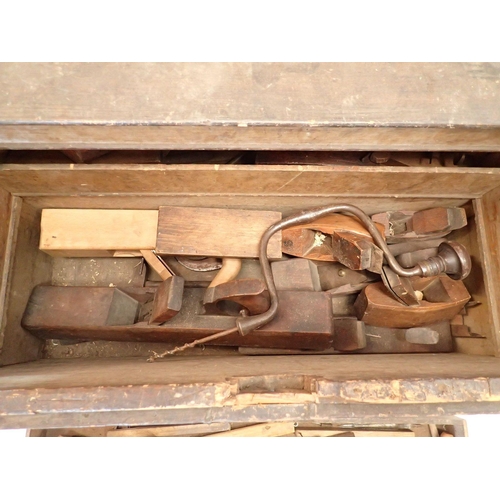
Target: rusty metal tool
x=201 y=264
x=400 y=287
x=453 y=258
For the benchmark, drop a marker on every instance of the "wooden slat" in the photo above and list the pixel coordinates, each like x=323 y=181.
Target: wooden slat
x=215 y=232
x=354 y=431
x=257 y=180
x=270 y=429
x=171 y=431
x=96 y=232
x=29 y=267
x=487 y=215
x=376 y=369
x=10 y=210
x=288 y=138
x=286 y=204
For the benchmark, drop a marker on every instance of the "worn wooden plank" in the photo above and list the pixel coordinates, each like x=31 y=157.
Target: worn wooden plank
x=284 y=137
x=10 y=208
x=71 y=232
x=344 y=413
x=228 y=93
x=29 y=267
x=291 y=328
x=220 y=180
x=215 y=232
x=79 y=306
x=270 y=429
x=355 y=432
x=171 y=431
x=65 y=374
x=487 y=211
x=287 y=204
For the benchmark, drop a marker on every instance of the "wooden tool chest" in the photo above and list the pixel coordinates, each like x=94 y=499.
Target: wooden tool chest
x=274 y=137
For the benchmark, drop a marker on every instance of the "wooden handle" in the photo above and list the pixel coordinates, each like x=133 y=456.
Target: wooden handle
x=229 y=271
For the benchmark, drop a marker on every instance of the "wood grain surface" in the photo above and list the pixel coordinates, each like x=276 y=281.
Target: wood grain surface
x=287 y=106
x=370 y=94
x=215 y=232
x=73 y=232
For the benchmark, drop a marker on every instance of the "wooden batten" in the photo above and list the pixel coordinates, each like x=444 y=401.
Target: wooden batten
x=97 y=233
x=215 y=232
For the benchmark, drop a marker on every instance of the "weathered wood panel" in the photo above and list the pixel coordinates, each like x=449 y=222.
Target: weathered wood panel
x=226 y=93
x=217 y=232
x=286 y=204
x=88 y=373
x=488 y=223
x=29 y=267
x=287 y=138
x=9 y=214
x=217 y=180
x=117 y=392
x=203 y=105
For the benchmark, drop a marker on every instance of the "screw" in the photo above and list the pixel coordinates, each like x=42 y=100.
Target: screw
x=341 y=273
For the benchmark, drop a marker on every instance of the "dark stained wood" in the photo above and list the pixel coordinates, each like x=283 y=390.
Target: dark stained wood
x=312 y=98
x=376 y=306
x=438 y=219
x=303 y=321
x=232 y=297
x=348 y=334
x=52 y=307
x=186 y=371
x=215 y=232
x=357 y=252
x=336 y=237
x=168 y=300
x=296 y=274
x=335 y=275
x=282 y=180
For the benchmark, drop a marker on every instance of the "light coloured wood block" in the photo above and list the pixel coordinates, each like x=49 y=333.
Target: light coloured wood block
x=171 y=430
x=215 y=232
x=97 y=233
